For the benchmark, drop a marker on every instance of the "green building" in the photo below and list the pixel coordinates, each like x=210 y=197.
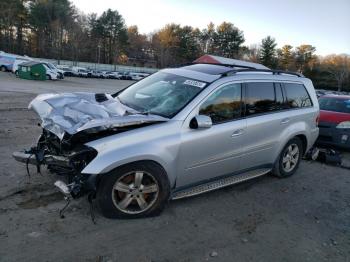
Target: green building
x=32 y=70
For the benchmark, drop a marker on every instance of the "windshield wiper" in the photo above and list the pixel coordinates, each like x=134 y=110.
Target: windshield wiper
x=149 y=112
x=146 y=112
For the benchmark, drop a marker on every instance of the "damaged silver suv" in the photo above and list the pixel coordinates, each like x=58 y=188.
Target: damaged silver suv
x=177 y=133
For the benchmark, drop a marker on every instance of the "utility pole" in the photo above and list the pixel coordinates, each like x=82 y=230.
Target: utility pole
x=99 y=53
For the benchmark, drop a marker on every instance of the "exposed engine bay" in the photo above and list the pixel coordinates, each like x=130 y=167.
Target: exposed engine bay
x=69 y=121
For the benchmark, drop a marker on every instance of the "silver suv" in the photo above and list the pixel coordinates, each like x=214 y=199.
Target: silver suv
x=177 y=133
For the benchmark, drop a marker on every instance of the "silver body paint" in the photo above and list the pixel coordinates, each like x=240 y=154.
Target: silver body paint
x=188 y=156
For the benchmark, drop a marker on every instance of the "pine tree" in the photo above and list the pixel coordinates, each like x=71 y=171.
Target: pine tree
x=268 y=52
x=285 y=57
x=228 y=40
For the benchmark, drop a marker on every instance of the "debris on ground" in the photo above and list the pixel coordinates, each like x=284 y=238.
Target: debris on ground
x=330 y=156
x=244 y=240
x=34 y=234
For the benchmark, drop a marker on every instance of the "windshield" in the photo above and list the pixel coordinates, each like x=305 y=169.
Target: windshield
x=162 y=94
x=51 y=66
x=335 y=104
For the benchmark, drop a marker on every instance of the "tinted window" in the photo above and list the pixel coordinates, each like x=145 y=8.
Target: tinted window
x=260 y=98
x=297 y=96
x=224 y=105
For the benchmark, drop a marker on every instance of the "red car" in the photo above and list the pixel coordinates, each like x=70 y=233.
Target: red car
x=334 y=121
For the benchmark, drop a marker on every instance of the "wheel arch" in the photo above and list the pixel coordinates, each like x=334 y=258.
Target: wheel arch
x=304 y=142
x=299 y=135
x=94 y=179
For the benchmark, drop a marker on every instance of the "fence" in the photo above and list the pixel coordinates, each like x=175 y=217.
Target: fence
x=104 y=67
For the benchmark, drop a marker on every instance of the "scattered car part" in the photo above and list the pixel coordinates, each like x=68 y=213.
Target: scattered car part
x=330 y=156
x=312 y=154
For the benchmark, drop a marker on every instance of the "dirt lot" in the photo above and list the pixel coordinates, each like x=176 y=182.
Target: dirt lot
x=302 y=218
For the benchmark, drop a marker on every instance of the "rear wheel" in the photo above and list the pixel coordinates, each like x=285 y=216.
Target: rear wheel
x=289 y=159
x=133 y=191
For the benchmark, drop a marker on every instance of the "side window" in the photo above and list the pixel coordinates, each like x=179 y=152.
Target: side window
x=224 y=104
x=297 y=96
x=260 y=98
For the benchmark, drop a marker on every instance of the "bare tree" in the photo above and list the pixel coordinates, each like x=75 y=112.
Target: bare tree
x=339 y=67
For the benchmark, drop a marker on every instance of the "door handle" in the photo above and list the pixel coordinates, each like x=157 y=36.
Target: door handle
x=285 y=121
x=238 y=132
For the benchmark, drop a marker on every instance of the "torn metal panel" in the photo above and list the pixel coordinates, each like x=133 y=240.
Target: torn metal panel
x=74 y=112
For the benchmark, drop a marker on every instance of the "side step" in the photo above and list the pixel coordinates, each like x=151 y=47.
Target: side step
x=227 y=181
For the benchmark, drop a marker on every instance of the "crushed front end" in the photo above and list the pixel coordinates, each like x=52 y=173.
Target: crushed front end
x=61 y=158
x=69 y=122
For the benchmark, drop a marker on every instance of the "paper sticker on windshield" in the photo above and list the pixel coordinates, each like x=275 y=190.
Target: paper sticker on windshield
x=194 y=83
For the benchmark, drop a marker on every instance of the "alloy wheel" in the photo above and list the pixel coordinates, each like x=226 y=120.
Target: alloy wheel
x=290 y=157
x=135 y=192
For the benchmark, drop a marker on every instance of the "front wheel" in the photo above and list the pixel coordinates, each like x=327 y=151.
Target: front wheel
x=133 y=191
x=289 y=159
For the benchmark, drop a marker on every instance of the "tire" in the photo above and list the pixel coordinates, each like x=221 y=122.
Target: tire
x=118 y=197
x=292 y=153
x=48 y=77
x=3 y=69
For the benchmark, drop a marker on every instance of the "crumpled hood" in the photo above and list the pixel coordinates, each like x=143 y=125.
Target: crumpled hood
x=75 y=112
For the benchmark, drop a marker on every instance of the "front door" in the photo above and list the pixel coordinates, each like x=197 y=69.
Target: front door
x=208 y=153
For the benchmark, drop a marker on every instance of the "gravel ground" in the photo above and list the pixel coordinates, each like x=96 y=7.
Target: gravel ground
x=303 y=218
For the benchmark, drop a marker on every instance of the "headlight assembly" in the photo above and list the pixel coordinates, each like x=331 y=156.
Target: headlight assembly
x=343 y=125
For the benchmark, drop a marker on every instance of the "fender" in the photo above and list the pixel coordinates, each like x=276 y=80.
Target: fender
x=128 y=147
x=293 y=130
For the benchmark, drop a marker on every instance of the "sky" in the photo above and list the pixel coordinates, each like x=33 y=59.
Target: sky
x=324 y=24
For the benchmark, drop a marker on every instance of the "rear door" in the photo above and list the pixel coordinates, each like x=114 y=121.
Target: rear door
x=265 y=122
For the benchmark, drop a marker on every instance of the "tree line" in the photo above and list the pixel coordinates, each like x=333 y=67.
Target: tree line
x=58 y=30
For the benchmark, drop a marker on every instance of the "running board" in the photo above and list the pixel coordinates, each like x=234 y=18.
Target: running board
x=223 y=182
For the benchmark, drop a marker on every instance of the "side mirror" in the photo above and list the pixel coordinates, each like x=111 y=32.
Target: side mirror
x=200 y=122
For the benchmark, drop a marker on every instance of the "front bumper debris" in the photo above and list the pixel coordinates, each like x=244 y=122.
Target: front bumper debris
x=32 y=159
x=68 y=165
x=63 y=187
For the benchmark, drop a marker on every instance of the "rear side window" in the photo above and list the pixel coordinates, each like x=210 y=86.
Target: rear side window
x=260 y=98
x=297 y=96
x=224 y=104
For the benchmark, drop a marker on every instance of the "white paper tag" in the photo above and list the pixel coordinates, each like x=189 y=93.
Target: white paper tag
x=194 y=83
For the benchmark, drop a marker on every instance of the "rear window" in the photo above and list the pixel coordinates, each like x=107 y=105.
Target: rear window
x=335 y=104
x=297 y=96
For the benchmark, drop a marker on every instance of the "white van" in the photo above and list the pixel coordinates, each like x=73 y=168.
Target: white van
x=17 y=62
x=59 y=72
x=50 y=73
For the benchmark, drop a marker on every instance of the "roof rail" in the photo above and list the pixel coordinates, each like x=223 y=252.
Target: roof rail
x=226 y=65
x=274 y=72
x=213 y=59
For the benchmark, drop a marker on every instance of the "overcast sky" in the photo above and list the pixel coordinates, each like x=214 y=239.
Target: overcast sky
x=322 y=23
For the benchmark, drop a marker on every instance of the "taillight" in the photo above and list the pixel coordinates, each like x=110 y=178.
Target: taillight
x=318 y=119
